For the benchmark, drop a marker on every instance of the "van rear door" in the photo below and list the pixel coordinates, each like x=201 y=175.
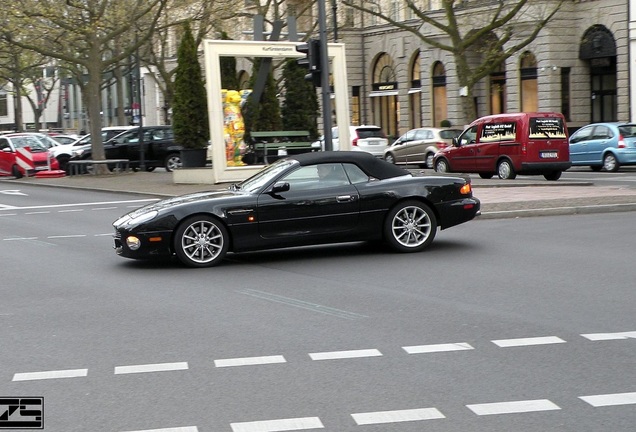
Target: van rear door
x=547 y=140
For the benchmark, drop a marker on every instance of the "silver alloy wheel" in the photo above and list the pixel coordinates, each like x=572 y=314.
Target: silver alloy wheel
x=441 y=166
x=389 y=158
x=610 y=163
x=411 y=226
x=173 y=162
x=429 y=160
x=202 y=242
x=505 y=171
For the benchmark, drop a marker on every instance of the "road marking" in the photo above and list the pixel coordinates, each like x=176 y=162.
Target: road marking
x=382 y=417
x=12 y=192
x=51 y=206
x=422 y=349
x=303 y=423
x=70 y=211
x=31 y=376
x=8 y=214
x=302 y=304
x=505 y=343
x=345 y=354
x=37 y=212
x=104 y=208
x=177 y=429
x=157 y=367
x=610 y=399
x=610 y=336
x=66 y=236
x=20 y=238
x=249 y=361
x=103 y=235
x=513 y=407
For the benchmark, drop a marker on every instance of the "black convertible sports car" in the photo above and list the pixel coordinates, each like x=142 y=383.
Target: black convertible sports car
x=311 y=198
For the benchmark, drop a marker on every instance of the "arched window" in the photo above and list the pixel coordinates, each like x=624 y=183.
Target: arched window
x=440 y=103
x=415 y=94
x=385 y=104
x=529 y=83
x=498 y=91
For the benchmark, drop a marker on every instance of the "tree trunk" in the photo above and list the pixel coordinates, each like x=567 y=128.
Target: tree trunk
x=94 y=104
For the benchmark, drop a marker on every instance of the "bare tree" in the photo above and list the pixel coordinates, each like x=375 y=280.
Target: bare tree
x=480 y=34
x=80 y=34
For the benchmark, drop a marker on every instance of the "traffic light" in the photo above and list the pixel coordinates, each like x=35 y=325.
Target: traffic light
x=311 y=49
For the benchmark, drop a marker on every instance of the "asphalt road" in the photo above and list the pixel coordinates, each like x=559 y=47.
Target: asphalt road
x=514 y=324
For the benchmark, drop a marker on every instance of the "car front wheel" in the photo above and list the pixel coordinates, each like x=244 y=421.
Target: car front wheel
x=389 y=158
x=505 y=170
x=201 y=241
x=410 y=227
x=172 y=162
x=442 y=166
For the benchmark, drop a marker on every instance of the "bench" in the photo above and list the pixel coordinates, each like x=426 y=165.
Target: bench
x=76 y=167
x=278 y=144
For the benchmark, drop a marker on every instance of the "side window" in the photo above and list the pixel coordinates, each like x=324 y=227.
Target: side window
x=497 y=132
x=355 y=174
x=602 y=132
x=316 y=177
x=4 y=144
x=581 y=135
x=468 y=137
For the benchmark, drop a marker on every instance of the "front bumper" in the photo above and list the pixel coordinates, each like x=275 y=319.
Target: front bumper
x=151 y=244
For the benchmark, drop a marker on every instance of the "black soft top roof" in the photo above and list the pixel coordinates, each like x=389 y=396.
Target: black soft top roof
x=368 y=163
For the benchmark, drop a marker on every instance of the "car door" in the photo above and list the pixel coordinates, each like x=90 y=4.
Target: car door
x=496 y=138
x=401 y=149
x=311 y=207
x=7 y=157
x=602 y=137
x=462 y=157
x=417 y=147
x=578 y=144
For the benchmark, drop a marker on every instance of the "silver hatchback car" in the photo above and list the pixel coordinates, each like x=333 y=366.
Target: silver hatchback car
x=418 y=146
x=366 y=138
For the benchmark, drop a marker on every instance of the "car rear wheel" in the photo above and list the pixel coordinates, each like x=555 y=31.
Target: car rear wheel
x=15 y=172
x=610 y=163
x=429 y=160
x=410 y=227
x=442 y=166
x=389 y=158
x=201 y=241
x=172 y=162
x=505 y=170
x=552 y=176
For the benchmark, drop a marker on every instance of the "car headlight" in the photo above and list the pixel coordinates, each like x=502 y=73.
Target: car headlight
x=134 y=219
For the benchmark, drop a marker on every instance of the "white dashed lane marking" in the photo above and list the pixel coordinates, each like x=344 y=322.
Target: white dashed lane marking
x=506 y=343
x=249 y=361
x=383 y=417
x=610 y=399
x=158 y=367
x=424 y=349
x=513 y=407
x=610 y=336
x=31 y=376
x=177 y=429
x=334 y=355
x=292 y=424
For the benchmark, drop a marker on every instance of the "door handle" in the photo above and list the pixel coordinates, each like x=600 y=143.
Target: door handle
x=345 y=198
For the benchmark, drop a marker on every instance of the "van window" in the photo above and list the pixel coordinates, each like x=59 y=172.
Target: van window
x=494 y=132
x=546 y=128
x=468 y=137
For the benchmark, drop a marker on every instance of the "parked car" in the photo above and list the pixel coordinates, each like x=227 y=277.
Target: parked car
x=418 y=146
x=291 y=203
x=604 y=146
x=64 y=138
x=366 y=138
x=9 y=160
x=158 y=145
x=64 y=152
x=510 y=144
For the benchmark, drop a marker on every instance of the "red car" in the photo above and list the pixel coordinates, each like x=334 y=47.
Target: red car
x=13 y=165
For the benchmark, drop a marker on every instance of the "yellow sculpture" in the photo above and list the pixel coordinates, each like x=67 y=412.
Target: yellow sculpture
x=233 y=126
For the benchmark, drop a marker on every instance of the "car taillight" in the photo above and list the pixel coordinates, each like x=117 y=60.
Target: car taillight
x=466 y=189
x=441 y=144
x=621 y=142
x=354 y=142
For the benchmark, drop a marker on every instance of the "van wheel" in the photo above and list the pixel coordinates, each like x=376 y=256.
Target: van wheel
x=486 y=175
x=442 y=166
x=505 y=170
x=610 y=163
x=389 y=158
x=15 y=171
x=552 y=176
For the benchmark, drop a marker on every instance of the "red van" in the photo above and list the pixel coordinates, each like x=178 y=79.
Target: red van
x=509 y=144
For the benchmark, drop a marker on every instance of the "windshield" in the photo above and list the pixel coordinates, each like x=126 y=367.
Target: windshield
x=265 y=176
x=28 y=141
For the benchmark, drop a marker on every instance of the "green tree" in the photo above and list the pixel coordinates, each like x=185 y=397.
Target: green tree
x=480 y=35
x=229 y=77
x=263 y=115
x=190 y=109
x=300 y=106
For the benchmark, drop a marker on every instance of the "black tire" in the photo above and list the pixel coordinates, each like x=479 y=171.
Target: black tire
x=150 y=168
x=486 y=175
x=15 y=172
x=610 y=163
x=390 y=158
x=552 y=176
x=505 y=170
x=442 y=166
x=596 y=168
x=201 y=241
x=62 y=160
x=172 y=162
x=410 y=227
x=429 y=160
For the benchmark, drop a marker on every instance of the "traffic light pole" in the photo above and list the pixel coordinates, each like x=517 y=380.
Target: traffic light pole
x=324 y=76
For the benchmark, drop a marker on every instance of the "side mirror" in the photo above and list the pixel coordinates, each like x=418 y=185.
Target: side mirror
x=279 y=187
x=456 y=142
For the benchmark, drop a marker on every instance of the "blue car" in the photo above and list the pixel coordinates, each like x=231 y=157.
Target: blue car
x=604 y=146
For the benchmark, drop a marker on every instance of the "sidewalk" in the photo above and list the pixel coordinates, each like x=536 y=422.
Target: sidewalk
x=530 y=196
